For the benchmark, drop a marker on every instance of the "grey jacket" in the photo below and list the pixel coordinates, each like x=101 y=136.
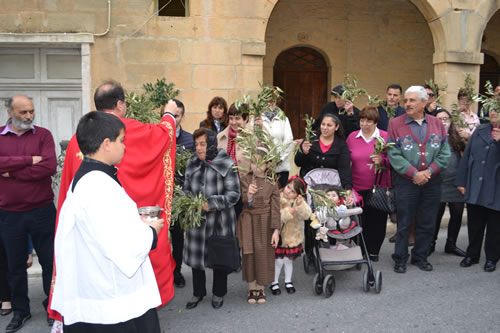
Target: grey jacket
x=479 y=169
x=219 y=183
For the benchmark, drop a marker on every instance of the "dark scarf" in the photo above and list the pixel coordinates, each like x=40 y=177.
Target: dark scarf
x=271 y=115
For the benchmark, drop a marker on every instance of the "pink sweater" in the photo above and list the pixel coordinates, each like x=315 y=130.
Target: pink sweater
x=362 y=176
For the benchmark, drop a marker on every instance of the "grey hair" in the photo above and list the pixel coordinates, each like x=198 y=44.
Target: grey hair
x=420 y=91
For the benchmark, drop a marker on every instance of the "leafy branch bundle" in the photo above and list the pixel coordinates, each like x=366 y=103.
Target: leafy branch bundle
x=259 y=147
x=310 y=133
x=456 y=115
x=320 y=200
x=489 y=101
x=142 y=107
x=266 y=99
x=468 y=89
x=436 y=89
x=186 y=209
x=377 y=101
x=182 y=156
x=380 y=147
x=351 y=90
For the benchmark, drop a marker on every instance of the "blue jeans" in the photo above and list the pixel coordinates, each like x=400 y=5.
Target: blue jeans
x=422 y=204
x=14 y=230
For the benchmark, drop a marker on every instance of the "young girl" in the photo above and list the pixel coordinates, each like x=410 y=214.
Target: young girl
x=294 y=210
x=258 y=230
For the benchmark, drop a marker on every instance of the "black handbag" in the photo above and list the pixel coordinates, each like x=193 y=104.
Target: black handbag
x=381 y=198
x=223 y=252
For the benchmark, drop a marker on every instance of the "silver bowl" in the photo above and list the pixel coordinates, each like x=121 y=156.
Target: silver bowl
x=150 y=212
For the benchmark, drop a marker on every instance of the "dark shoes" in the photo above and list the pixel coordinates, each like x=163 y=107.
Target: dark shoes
x=468 y=261
x=490 y=265
x=179 y=280
x=17 y=323
x=422 y=264
x=275 y=289
x=373 y=257
x=392 y=239
x=193 y=302
x=400 y=267
x=451 y=248
x=50 y=321
x=5 y=312
x=217 y=302
x=289 y=288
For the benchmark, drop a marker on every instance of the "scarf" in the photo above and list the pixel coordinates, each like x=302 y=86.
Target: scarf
x=231 y=145
x=271 y=115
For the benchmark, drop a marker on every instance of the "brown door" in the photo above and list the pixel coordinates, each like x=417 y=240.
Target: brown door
x=302 y=74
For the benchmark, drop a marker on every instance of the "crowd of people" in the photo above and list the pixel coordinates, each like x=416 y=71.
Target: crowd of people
x=115 y=164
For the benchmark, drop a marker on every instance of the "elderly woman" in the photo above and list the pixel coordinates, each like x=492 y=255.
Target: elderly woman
x=216 y=115
x=478 y=177
x=211 y=172
x=327 y=150
x=449 y=193
x=361 y=144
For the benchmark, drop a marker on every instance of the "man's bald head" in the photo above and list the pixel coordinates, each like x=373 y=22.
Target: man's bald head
x=108 y=95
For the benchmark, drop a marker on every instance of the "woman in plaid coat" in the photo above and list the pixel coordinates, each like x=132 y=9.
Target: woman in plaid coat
x=210 y=171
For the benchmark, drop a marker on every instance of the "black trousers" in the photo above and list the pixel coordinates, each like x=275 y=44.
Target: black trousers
x=177 y=235
x=14 y=230
x=4 y=283
x=480 y=218
x=374 y=223
x=422 y=204
x=456 y=214
x=147 y=323
x=219 y=286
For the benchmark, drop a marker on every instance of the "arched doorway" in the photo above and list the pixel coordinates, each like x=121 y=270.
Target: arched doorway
x=489 y=71
x=302 y=73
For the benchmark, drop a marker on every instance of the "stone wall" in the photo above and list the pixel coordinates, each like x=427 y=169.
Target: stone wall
x=381 y=42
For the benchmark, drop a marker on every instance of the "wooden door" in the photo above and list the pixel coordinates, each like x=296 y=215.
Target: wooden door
x=302 y=73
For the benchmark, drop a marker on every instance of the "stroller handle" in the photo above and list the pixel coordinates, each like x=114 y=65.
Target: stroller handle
x=350 y=212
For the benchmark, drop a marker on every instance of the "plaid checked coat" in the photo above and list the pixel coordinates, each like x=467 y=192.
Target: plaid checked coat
x=218 y=181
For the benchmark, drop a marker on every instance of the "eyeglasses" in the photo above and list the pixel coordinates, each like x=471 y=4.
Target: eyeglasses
x=445 y=119
x=431 y=95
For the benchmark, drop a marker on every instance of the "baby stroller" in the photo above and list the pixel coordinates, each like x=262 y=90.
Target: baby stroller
x=348 y=253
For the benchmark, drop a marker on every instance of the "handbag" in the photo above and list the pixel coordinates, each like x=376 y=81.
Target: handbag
x=381 y=198
x=223 y=252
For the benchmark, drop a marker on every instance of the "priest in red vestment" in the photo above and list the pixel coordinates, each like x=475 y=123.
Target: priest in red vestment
x=146 y=172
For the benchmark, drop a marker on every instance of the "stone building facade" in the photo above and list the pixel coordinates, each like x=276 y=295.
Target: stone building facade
x=60 y=51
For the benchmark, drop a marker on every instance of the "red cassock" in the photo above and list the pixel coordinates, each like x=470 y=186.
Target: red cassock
x=146 y=172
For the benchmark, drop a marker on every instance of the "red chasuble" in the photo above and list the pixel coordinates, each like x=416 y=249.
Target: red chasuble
x=146 y=172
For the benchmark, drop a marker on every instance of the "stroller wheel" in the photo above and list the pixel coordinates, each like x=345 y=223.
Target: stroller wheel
x=358 y=266
x=305 y=259
x=317 y=285
x=329 y=285
x=366 y=282
x=378 y=282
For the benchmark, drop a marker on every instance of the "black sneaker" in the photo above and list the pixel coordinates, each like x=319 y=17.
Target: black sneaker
x=179 y=280
x=17 y=323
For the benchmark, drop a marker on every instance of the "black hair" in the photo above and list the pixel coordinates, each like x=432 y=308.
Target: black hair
x=242 y=111
x=454 y=139
x=94 y=127
x=299 y=186
x=107 y=95
x=395 y=86
x=340 y=131
x=179 y=104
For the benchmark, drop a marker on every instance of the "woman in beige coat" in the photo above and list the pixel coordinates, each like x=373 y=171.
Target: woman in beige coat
x=293 y=210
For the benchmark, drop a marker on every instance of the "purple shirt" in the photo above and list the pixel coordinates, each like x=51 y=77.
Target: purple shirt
x=28 y=186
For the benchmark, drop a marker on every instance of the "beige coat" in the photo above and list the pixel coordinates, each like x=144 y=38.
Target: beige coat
x=243 y=163
x=292 y=230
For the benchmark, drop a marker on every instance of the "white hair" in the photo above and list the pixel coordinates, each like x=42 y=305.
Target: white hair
x=420 y=91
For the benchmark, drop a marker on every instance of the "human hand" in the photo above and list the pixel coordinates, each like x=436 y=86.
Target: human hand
x=349 y=107
x=29 y=262
x=291 y=211
x=157 y=224
x=36 y=159
x=464 y=133
x=259 y=122
x=349 y=200
x=461 y=189
x=6 y=175
x=306 y=147
x=275 y=238
x=171 y=106
x=205 y=207
x=252 y=189
x=432 y=106
x=421 y=177
x=377 y=159
x=496 y=134
x=299 y=200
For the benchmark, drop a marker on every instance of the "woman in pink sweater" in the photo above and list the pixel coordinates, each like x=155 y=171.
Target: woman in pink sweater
x=361 y=144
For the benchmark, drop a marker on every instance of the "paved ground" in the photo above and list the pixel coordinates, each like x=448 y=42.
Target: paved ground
x=449 y=299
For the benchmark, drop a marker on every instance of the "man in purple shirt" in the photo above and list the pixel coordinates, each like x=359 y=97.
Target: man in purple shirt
x=27 y=163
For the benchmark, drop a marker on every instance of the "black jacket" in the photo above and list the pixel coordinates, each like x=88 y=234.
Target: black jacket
x=337 y=157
